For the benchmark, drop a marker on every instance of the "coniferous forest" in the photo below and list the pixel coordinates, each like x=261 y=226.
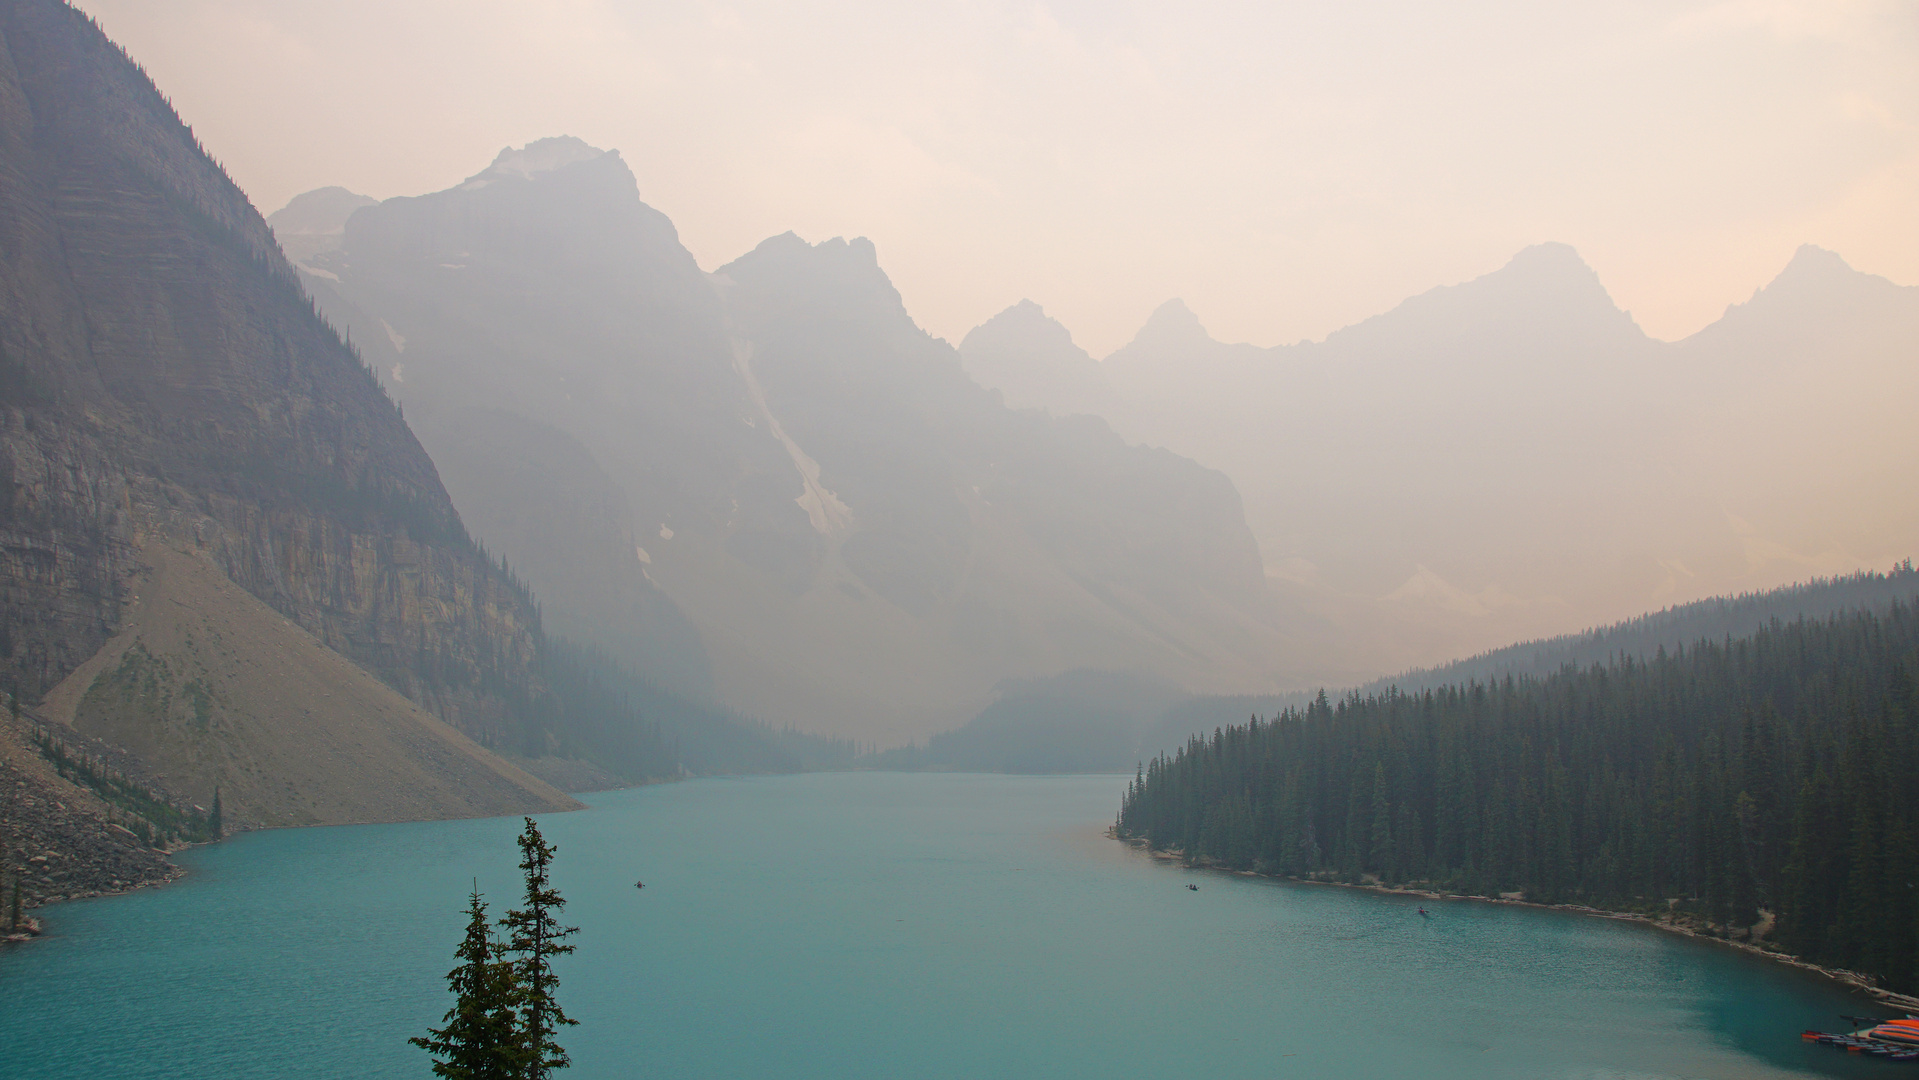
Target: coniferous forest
x=1764 y=783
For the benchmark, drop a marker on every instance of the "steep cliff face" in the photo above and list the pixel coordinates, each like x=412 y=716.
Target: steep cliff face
x=567 y=363
x=162 y=375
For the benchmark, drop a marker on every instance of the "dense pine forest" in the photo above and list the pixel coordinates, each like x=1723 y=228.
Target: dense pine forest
x=1764 y=783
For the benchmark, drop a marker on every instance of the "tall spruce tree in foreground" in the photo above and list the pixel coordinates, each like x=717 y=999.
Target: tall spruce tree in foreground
x=536 y=937
x=481 y=1039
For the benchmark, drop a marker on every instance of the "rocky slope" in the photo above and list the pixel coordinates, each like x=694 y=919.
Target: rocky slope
x=164 y=381
x=209 y=689
x=62 y=839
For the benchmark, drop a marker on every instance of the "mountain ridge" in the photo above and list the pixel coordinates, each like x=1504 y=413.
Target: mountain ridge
x=1518 y=436
x=810 y=477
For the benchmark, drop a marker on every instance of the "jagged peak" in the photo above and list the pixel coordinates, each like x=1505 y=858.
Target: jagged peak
x=859 y=249
x=1544 y=288
x=1812 y=265
x=1814 y=278
x=1172 y=323
x=1812 y=256
x=538 y=157
x=835 y=271
x=1551 y=257
x=1025 y=323
x=1025 y=316
x=1550 y=268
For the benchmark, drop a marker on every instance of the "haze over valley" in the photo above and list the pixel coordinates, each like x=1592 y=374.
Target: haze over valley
x=1503 y=459
x=874 y=583
x=1513 y=457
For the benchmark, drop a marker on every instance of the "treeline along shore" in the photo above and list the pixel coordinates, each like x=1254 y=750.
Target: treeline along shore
x=1763 y=788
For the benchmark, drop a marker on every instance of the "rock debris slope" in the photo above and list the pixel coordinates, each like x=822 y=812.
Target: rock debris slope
x=166 y=386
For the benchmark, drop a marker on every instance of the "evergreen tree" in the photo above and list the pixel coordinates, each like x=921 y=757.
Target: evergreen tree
x=536 y=937
x=215 y=825
x=481 y=1039
x=1721 y=781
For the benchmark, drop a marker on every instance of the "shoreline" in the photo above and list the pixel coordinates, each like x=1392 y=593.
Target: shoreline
x=1853 y=979
x=34 y=927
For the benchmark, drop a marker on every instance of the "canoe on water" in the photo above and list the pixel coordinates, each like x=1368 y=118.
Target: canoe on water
x=1896 y=1040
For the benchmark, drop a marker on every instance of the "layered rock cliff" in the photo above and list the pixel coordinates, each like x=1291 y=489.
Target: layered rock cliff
x=166 y=375
x=166 y=385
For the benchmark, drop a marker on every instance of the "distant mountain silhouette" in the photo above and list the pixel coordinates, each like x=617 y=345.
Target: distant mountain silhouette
x=767 y=485
x=315 y=223
x=1032 y=360
x=1513 y=456
x=1094 y=721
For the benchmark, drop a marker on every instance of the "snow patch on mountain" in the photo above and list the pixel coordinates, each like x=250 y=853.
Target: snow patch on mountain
x=828 y=515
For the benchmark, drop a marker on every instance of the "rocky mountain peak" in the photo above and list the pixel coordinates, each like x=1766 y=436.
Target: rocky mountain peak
x=1026 y=330
x=1815 y=274
x=1551 y=278
x=317 y=212
x=1816 y=287
x=1545 y=298
x=537 y=157
x=1811 y=260
x=1172 y=324
x=314 y=222
x=550 y=202
x=1032 y=360
x=833 y=279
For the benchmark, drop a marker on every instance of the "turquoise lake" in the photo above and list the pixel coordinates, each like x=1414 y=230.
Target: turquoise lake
x=880 y=925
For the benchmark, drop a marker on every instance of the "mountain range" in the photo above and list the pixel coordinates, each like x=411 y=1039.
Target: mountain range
x=765 y=486
x=435 y=506
x=1109 y=721
x=1513 y=457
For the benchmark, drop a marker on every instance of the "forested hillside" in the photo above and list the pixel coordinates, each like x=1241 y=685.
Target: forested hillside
x=1716 y=618
x=1769 y=773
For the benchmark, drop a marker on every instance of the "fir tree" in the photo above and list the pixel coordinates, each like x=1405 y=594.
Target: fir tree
x=1716 y=783
x=481 y=1039
x=215 y=826
x=536 y=937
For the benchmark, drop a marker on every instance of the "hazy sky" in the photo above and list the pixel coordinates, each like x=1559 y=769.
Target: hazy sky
x=1287 y=168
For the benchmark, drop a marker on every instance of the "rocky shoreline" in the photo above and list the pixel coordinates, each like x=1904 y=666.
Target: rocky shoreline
x=60 y=841
x=1853 y=979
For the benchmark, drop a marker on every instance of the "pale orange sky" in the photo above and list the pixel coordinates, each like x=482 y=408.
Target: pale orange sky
x=1285 y=168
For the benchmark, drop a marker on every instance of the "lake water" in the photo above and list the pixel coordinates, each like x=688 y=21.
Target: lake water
x=877 y=925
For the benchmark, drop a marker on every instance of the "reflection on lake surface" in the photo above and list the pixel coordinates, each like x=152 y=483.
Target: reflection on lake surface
x=880 y=925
